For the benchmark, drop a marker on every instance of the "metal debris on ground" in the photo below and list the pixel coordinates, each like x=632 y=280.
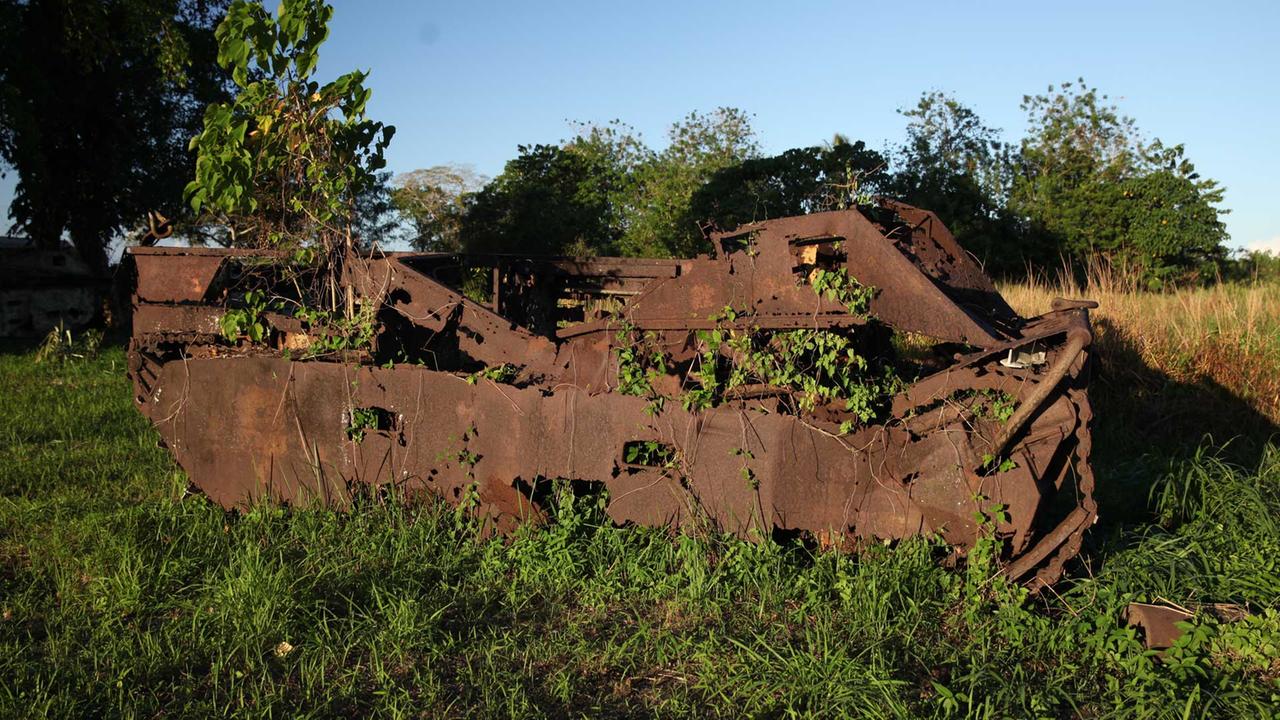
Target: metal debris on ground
x=1159 y=622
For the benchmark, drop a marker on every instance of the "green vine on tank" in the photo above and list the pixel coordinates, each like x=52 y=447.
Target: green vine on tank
x=838 y=286
x=991 y=467
x=326 y=331
x=996 y=404
x=812 y=366
x=650 y=453
x=504 y=374
x=337 y=333
x=246 y=322
x=463 y=455
x=639 y=364
x=817 y=366
x=362 y=419
x=748 y=475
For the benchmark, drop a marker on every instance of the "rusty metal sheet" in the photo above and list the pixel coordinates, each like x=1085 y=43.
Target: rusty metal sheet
x=1159 y=621
x=267 y=421
x=175 y=278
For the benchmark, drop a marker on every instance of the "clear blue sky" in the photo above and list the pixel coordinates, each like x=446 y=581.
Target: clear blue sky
x=467 y=82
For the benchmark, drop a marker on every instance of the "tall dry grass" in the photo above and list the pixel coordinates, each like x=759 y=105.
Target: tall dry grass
x=1226 y=336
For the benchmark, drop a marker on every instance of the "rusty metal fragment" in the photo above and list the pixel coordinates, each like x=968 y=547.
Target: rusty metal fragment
x=251 y=422
x=1159 y=622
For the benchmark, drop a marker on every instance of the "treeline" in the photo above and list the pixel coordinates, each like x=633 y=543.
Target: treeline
x=1082 y=186
x=100 y=100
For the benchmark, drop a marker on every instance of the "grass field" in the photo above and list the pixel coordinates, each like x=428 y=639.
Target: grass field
x=124 y=594
x=1226 y=335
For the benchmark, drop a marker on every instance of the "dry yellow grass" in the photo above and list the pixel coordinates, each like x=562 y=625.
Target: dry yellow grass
x=1225 y=336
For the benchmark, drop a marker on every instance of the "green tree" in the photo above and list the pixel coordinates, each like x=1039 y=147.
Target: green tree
x=284 y=162
x=1089 y=185
x=604 y=191
x=97 y=99
x=434 y=202
x=548 y=200
x=798 y=181
x=955 y=165
x=659 y=216
x=1171 y=217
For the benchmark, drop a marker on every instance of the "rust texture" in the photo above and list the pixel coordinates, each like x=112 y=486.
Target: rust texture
x=1160 y=623
x=250 y=422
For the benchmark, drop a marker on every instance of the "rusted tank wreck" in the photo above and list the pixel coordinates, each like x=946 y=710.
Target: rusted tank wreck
x=675 y=385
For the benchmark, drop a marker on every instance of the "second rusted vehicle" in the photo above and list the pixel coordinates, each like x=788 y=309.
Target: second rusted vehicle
x=646 y=378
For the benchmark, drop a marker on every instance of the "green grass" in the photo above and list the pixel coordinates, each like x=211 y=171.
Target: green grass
x=124 y=594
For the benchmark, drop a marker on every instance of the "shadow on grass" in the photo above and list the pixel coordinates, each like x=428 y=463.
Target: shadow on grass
x=1145 y=421
x=19 y=346
x=27 y=345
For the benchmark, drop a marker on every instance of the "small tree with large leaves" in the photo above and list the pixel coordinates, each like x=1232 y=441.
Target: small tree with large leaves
x=283 y=165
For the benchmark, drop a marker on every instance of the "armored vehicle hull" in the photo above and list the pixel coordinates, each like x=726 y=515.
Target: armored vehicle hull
x=647 y=379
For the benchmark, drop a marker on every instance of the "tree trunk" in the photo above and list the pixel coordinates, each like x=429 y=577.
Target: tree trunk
x=346 y=274
x=93 y=251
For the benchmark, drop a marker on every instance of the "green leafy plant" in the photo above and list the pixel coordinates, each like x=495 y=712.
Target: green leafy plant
x=246 y=322
x=650 y=453
x=995 y=404
x=464 y=456
x=812 y=366
x=837 y=285
x=504 y=373
x=284 y=163
x=334 y=333
x=361 y=420
x=288 y=155
x=990 y=466
x=638 y=365
x=745 y=471
x=467 y=458
x=817 y=366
